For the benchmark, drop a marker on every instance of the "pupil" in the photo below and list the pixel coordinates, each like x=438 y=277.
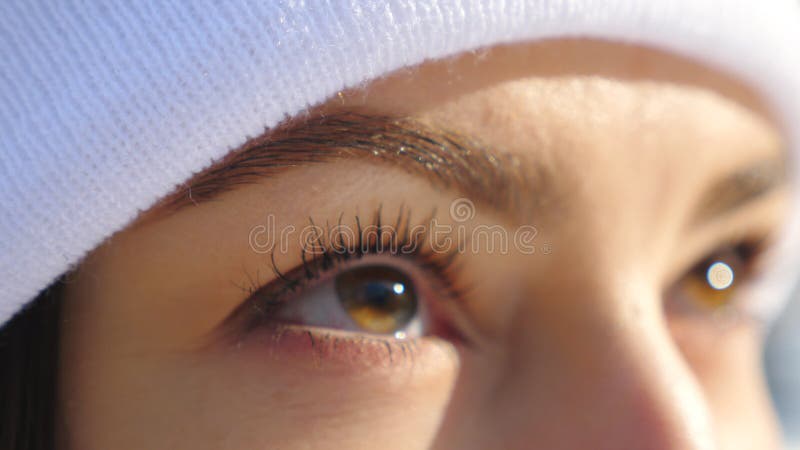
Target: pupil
x=377 y=293
x=379 y=299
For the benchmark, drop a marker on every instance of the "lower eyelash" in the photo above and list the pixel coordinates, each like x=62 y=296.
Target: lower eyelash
x=327 y=250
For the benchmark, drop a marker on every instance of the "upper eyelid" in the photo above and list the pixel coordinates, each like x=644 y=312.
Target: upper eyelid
x=396 y=240
x=285 y=283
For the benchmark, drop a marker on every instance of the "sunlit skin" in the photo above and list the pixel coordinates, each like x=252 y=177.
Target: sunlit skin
x=571 y=347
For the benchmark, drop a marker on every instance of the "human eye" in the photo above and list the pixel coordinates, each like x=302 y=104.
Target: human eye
x=374 y=279
x=713 y=286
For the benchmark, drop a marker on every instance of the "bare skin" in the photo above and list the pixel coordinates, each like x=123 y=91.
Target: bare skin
x=577 y=344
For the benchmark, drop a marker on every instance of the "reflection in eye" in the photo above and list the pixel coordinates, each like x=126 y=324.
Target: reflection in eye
x=380 y=299
x=713 y=283
x=720 y=275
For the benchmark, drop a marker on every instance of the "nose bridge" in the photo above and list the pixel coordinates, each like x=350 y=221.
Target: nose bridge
x=606 y=378
x=659 y=403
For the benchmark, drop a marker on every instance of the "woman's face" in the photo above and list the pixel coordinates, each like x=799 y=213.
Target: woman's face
x=514 y=248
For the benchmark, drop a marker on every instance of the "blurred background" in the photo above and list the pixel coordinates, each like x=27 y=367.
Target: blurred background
x=782 y=360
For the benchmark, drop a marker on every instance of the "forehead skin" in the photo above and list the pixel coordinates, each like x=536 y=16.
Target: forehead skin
x=627 y=130
x=634 y=135
x=430 y=85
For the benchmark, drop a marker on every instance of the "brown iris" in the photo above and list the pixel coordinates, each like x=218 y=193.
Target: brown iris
x=711 y=284
x=379 y=299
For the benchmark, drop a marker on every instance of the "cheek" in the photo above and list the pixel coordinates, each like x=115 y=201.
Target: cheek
x=301 y=389
x=263 y=395
x=728 y=364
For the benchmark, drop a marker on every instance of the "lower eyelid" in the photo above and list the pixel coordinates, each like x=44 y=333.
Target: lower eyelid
x=337 y=351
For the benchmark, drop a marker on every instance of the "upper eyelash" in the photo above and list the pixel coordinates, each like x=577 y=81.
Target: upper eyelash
x=331 y=253
x=322 y=255
x=751 y=249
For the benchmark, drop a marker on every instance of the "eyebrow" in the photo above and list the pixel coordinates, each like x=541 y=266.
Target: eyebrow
x=741 y=187
x=448 y=159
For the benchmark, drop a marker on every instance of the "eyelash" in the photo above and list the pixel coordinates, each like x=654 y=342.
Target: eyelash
x=750 y=251
x=320 y=256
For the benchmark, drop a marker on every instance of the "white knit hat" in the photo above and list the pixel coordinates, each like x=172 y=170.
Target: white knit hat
x=106 y=107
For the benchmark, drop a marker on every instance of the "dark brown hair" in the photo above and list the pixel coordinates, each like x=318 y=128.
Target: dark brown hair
x=28 y=374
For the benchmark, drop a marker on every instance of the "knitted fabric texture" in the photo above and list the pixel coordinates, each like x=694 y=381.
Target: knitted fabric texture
x=107 y=106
